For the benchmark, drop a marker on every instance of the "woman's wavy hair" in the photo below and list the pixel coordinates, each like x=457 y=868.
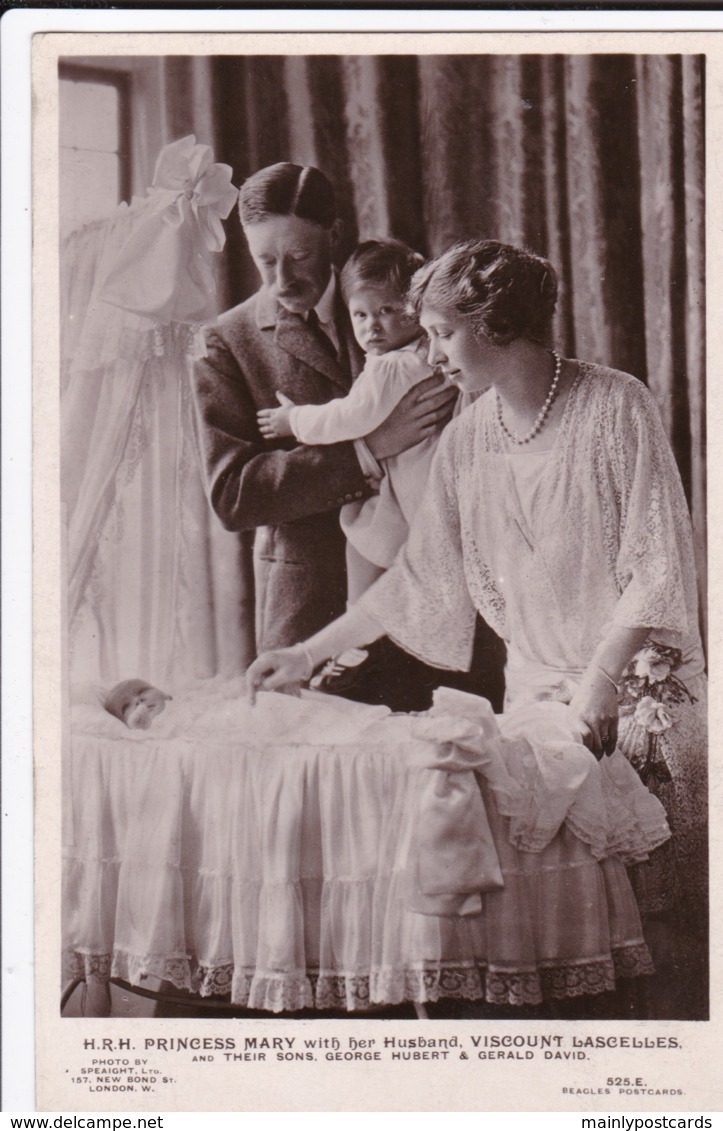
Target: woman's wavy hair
x=509 y=293
x=286 y=189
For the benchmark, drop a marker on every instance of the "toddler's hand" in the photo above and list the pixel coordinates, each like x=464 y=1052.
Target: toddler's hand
x=274 y=423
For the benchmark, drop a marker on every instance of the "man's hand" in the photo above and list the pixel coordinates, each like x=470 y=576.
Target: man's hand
x=274 y=423
x=420 y=411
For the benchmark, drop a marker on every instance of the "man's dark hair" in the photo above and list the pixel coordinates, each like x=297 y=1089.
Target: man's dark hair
x=288 y=190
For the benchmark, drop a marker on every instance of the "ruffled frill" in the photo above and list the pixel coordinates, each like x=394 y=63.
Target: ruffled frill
x=228 y=866
x=542 y=776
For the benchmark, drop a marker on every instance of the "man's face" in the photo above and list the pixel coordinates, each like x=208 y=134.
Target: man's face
x=293 y=258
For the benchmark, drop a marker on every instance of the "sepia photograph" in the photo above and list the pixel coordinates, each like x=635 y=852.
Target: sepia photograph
x=383 y=548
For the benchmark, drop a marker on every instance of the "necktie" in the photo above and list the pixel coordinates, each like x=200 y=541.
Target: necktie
x=323 y=339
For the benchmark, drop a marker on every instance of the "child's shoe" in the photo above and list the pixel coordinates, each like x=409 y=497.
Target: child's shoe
x=346 y=674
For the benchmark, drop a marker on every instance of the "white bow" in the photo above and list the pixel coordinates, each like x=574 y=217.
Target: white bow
x=163 y=271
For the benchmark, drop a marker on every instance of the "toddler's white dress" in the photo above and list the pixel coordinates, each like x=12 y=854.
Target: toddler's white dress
x=377 y=527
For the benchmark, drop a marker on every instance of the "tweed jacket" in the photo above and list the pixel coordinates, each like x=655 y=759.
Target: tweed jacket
x=290 y=493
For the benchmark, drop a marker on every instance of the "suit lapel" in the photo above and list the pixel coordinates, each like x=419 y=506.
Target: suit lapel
x=293 y=336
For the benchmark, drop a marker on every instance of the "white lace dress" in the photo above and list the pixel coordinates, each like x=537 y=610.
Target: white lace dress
x=607 y=543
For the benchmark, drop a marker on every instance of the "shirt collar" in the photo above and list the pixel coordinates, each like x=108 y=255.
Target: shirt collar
x=268 y=311
x=326 y=305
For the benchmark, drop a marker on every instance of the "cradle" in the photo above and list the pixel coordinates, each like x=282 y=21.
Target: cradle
x=205 y=855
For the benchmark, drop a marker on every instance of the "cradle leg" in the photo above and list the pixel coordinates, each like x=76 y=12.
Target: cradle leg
x=68 y=992
x=421 y=1011
x=95 y=1001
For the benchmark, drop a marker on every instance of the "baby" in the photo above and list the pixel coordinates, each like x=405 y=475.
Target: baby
x=374 y=282
x=136 y=703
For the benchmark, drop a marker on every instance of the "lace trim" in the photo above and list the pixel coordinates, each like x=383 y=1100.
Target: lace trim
x=89 y=967
x=323 y=989
x=276 y=992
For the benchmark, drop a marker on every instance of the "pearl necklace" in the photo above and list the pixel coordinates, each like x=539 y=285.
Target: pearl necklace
x=542 y=414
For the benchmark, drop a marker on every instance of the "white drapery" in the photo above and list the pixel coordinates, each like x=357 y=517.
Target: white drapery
x=155 y=586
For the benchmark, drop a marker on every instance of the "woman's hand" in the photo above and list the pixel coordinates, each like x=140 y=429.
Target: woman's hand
x=282 y=670
x=418 y=414
x=595 y=703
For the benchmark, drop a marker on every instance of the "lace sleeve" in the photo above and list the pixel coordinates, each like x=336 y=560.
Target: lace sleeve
x=655 y=565
x=423 y=601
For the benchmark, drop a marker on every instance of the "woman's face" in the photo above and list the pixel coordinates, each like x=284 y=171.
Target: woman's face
x=466 y=358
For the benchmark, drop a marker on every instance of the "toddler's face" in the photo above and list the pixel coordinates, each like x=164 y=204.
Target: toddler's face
x=379 y=319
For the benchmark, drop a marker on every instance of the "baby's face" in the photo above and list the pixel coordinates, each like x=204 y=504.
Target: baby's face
x=379 y=319
x=140 y=709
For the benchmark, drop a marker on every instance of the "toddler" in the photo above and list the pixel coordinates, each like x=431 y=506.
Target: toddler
x=374 y=282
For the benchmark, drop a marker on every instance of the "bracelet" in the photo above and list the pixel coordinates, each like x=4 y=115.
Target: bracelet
x=302 y=650
x=609 y=678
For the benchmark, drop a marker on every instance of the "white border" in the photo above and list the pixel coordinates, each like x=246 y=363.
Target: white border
x=16 y=29
x=22 y=24
x=17 y=777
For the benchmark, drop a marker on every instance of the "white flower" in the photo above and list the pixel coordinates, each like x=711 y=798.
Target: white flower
x=649 y=664
x=652 y=716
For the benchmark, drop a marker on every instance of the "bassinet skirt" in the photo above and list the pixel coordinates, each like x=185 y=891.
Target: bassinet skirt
x=275 y=872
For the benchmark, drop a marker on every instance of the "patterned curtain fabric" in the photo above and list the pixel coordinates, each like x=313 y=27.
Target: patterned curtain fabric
x=595 y=161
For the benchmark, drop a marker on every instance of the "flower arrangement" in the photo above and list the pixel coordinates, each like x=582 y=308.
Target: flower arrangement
x=648 y=689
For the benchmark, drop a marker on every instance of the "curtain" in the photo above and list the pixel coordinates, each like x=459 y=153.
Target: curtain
x=595 y=161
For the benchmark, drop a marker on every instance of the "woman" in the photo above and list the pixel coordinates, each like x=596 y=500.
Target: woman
x=555 y=509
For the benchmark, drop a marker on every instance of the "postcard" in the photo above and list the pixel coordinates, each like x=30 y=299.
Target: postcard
x=406 y=334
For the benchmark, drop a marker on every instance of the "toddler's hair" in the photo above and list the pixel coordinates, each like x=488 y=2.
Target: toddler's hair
x=286 y=189
x=380 y=263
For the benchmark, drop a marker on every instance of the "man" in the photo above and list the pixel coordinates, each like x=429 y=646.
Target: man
x=294 y=337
